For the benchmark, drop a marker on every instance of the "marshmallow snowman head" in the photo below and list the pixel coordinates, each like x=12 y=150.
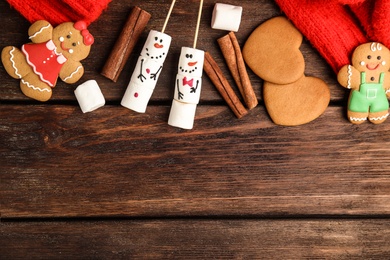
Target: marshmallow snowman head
x=191 y=62
x=156 y=46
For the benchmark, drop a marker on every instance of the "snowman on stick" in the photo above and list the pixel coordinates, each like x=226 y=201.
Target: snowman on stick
x=148 y=69
x=188 y=84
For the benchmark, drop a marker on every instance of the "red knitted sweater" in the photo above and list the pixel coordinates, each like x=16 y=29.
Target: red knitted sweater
x=57 y=11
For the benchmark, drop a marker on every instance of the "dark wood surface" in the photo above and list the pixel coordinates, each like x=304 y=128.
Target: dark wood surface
x=116 y=184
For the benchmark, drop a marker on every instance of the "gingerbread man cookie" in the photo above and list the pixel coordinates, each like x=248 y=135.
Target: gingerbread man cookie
x=368 y=77
x=52 y=53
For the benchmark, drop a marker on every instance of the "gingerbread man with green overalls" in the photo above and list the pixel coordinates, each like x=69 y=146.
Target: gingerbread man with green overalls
x=369 y=79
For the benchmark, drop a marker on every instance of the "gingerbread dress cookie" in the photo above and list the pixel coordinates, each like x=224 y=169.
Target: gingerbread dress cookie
x=53 y=52
x=369 y=79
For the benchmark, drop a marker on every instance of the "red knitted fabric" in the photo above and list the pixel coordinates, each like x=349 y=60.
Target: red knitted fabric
x=380 y=21
x=363 y=12
x=328 y=25
x=57 y=11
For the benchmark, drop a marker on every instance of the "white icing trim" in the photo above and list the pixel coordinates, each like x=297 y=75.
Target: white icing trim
x=357 y=119
x=376 y=47
x=40 y=31
x=349 y=76
x=35 y=69
x=35 y=88
x=13 y=62
x=379 y=118
x=74 y=72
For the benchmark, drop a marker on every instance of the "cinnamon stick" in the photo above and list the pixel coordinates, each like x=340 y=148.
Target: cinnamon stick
x=232 y=53
x=222 y=85
x=134 y=26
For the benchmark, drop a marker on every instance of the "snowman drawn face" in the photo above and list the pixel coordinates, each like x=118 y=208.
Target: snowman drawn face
x=191 y=62
x=156 y=46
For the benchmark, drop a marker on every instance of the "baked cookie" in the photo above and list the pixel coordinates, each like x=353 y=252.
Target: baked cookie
x=52 y=53
x=272 y=51
x=368 y=77
x=296 y=103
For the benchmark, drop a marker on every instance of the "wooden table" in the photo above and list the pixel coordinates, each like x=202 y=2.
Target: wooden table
x=115 y=184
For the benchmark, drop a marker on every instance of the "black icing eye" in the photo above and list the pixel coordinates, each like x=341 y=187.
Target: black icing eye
x=68 y=36
x=187 y=56
x=379 y=57
x=74 y=44
x=369 y=57
x=156 y=38
x=161 y=41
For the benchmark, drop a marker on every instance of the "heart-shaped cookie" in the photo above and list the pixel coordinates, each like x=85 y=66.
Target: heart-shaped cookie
x=296 y=103
x=272 y=51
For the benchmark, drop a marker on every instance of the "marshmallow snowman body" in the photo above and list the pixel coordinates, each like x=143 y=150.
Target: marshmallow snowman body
x=188 y=86
x=147 y=71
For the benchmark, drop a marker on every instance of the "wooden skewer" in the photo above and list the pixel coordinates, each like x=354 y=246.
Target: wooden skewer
x=168 y=16
x=198 y=23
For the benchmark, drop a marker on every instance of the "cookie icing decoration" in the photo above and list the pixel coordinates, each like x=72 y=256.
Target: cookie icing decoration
x=40 y=31
x=368 y=78
x=45 y=60
x=53 y=52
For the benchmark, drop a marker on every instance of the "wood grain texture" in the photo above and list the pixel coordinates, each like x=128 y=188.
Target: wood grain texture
x=198 y=239
x=56 y=161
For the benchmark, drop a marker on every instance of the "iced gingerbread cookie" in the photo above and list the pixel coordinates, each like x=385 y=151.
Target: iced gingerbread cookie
x=52 y=53
x=368 y=77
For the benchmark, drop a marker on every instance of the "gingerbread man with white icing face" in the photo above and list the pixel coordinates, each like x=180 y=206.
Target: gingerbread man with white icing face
x=53 y=52
x=369 y=79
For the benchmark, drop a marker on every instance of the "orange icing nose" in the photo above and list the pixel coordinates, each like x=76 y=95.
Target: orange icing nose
x=192 y=63
x=158 y=46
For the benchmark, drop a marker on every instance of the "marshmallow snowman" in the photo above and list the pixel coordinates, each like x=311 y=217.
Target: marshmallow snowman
x=188 y=86
x=147 y=71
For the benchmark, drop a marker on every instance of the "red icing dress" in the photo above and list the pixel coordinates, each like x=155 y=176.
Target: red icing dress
x=45 y=61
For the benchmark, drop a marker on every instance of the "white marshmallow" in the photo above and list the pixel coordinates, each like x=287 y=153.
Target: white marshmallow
x=156 y=46
x=191 y=62
x=182 y=115
x=226 y=17
x=147 y=71
x=89 y=96
x=137 y=97
x=189 y=88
